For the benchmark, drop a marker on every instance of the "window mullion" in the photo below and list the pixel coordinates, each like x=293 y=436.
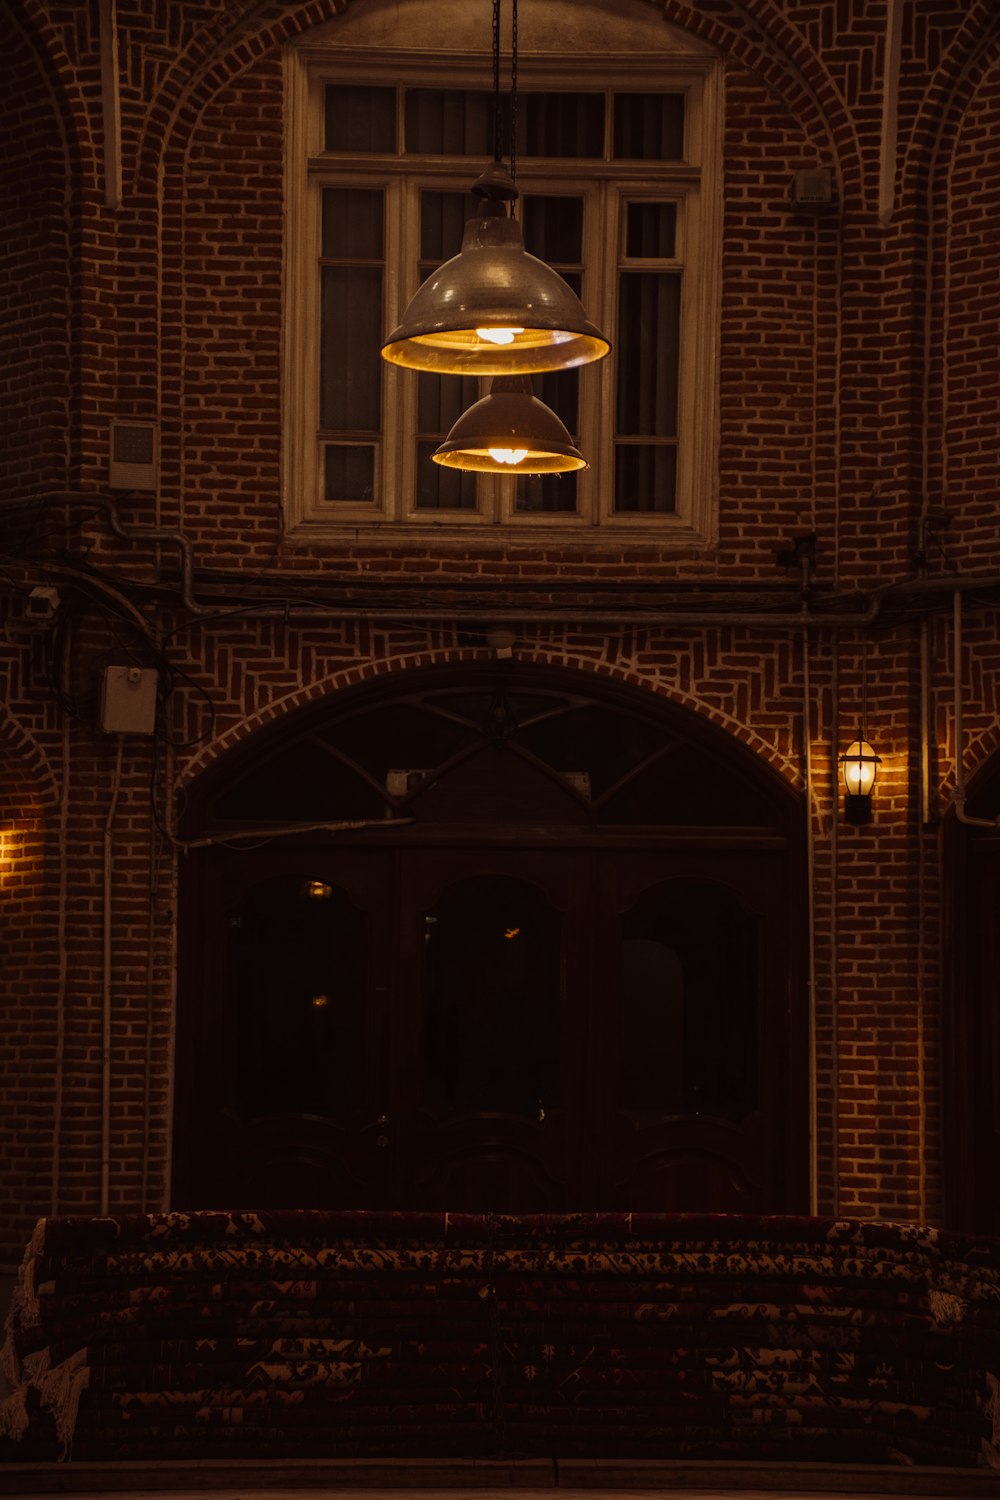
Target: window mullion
x=604 y=252
x=399 y=399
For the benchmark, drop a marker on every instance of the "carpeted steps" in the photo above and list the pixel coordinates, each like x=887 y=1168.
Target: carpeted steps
x=354 y=1335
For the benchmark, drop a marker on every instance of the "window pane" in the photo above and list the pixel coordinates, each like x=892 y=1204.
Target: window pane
x=352 y=224
x=649 y=127
x=441 y=400
x=440 y=403
x=304 y=783
x=560 y=390
x=550 y=493
x=649 y=306
x=651 y=230
x=360 y=118
x=646 y=477
x=442 y=224
x=439 y=488
x=350 y=371
x=605 y=744
x=349 y=471
x=492 y=1000
x=553 y=229
x=454 y=122
x=449 y=122
x=561 y=125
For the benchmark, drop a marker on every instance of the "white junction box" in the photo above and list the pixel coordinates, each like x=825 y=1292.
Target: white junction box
x=128 y=700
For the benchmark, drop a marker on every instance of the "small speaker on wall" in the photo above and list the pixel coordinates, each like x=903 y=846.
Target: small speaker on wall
x=133 y=455
x=813 y=189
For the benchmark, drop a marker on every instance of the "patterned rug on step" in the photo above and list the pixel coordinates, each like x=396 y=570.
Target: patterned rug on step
x=379 y=1335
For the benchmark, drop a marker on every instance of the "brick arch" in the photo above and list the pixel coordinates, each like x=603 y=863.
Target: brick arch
x=33 y=19
x=536 y=655
x=972 y=54
x=39 y=333
x=763 y=38
x=981 y=760
x=26 y=777
x=758 y=35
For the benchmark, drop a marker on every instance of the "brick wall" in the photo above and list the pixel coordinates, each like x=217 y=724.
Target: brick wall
x=859 y=386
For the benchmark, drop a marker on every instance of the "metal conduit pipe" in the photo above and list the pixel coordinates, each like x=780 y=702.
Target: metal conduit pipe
x=108 y=507
x=958 y=797
x=804 y=619
x=107 y=978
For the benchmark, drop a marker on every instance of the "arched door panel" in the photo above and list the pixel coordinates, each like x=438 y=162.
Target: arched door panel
x=286 y=1056
x=691 y=1063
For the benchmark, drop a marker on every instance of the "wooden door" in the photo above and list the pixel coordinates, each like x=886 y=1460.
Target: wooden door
x=557 y=963
x=689 y=1063
x=972 y=1031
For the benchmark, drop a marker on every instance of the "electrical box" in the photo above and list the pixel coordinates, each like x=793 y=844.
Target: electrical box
x=133 y=455
x=128 y=700
x=813 y=188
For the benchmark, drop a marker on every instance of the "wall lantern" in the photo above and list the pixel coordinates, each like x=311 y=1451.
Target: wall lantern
x=510 y=431
x=860 y=766
x=493 y=309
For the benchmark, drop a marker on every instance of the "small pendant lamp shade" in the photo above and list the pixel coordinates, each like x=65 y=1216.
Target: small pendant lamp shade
x=510 y=431
x=494 y=309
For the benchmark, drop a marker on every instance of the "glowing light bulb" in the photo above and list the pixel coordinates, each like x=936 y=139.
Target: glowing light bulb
x=498 y=335
x=510 y=456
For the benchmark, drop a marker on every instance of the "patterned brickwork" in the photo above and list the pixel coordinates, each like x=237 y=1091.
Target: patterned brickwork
x=35 y=272
x=859 y=383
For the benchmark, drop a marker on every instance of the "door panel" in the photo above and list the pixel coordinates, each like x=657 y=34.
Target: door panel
x=979 y=1069
x=488 y=1051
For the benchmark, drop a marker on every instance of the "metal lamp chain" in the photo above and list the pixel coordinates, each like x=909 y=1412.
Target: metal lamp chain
x=513 y=93
x=497 y=143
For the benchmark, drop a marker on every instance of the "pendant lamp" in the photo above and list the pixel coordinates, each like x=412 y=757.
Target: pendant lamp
x=493 y=309
x=510 y=431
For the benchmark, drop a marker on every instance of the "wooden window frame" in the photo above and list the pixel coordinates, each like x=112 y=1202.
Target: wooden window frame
x=694 y=184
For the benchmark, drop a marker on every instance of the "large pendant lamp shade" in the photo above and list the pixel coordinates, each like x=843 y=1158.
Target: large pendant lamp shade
x=494 y=310
x=510 y=431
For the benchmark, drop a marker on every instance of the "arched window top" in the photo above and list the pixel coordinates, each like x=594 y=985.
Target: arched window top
x=560 y=27
x=504 y=747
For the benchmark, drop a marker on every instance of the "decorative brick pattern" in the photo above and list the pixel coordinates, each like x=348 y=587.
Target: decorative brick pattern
x=859 y=385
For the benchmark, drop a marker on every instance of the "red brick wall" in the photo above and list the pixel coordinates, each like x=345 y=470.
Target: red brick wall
x=36 y=267
x=859 y=387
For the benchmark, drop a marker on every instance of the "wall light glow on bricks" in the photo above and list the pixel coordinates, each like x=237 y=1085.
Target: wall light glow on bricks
x=860 y=765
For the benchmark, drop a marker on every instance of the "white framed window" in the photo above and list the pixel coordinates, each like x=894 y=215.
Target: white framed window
x=618 y=167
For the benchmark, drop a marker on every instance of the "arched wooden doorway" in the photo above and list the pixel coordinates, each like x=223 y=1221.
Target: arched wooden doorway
x=572 y=980
x=971 y=1031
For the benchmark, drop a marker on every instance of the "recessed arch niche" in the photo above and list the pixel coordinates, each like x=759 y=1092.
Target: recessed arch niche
x=553 y=962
